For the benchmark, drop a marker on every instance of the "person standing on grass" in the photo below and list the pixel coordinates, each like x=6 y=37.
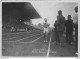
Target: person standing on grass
x=45 y=29
x=75 y=21
x=60 y=26
x=69 y=30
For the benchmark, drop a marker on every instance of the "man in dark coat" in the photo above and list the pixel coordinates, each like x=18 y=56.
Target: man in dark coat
x=59 y=26
x=69 y=30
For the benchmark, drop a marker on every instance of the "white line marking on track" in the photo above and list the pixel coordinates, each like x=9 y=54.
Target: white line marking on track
x=37 y=39
x=49 y=46
x=14 y=37
x=26 y=42
x=17 y=33
x=10 y=38
x=17 y=42
x=27 y=37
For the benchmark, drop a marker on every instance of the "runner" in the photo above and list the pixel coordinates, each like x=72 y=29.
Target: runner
x=45 y=29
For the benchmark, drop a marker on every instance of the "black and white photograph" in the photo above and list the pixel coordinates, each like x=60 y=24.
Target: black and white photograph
x=40 y=29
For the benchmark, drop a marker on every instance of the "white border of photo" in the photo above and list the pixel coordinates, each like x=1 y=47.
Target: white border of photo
x=37 y=1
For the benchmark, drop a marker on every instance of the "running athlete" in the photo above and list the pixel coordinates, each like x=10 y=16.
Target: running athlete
x=45 y=29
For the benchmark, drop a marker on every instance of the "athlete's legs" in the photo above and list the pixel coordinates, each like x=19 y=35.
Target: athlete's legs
x=45 y=34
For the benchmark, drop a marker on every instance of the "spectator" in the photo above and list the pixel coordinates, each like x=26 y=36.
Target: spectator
x=56 y=32
x=60 y=26
x=69 y=30
x=75 y=21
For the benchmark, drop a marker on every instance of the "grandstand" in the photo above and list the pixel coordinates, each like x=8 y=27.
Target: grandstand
x=15 y=15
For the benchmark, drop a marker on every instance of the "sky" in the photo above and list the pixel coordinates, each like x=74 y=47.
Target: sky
x=49 y=10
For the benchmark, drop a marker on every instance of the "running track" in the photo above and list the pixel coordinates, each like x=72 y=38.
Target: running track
x=32 y=44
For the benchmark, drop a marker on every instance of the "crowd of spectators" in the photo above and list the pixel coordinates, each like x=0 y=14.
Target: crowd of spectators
x=7 y=28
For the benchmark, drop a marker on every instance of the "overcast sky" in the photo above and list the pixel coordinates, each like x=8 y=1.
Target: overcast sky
x=50 y=10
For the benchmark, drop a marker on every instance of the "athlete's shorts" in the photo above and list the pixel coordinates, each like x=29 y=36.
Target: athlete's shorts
x=45 y=30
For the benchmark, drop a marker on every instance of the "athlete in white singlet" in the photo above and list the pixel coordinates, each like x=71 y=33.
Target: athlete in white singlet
x=45 y=29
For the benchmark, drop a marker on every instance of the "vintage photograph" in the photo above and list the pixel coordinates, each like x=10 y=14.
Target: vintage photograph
x=40 y=29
